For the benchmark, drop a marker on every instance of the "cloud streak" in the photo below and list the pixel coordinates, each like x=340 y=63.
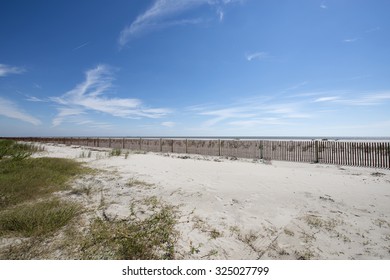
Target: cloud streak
x=252 y=113
x=161 y=15
x=168 y=124
x=256 y=55
x=11 y=110
x=6 y=70
x=350 y=40
x=359 y=100
x=90 y=96
x=275 y=111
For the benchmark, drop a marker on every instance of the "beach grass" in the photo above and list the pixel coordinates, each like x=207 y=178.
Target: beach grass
x=17 y=151
x=28 y=207
x=33 y=178
x=37 y=219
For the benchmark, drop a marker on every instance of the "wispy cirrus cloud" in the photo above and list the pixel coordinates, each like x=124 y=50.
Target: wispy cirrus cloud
x=80 y=46
x=256 y=56
x=91 y=96
x=350 y=40
x=372 y=99
x=6 y=70
x=168 y=124
x=327 y=98
x=282 y=111
x=323 y=5
x=35 y=99
x=11 y=110
x=162 y=14
x=251 y=112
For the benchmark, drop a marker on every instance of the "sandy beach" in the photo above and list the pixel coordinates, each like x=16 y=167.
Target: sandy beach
x=233 y=208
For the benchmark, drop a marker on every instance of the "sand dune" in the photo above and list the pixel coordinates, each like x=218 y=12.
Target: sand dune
x=247 y=209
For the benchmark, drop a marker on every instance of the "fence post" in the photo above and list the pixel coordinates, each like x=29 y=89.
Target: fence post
x=219 y=147
x=123 y=143
x=316 y=158
x=172 y=145
x=261 y=147
x=140 y=145
x=186 y=146
x=160 y=145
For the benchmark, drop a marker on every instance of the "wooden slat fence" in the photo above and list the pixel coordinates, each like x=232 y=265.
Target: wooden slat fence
x=364 y=154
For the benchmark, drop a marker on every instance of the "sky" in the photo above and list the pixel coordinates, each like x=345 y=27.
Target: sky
x=195 y=68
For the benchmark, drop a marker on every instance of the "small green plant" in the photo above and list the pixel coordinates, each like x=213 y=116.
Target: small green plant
x=214 y=233
x=84 y=154
x=195 y=249
x=115 y=152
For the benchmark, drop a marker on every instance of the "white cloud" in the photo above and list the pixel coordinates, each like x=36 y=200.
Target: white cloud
x=90 y=96
x=80 y=46
x=65 y=113
x=224 y=114
x=358 y=99
x=323 y=5
x=168 y=124
x=328 y=98
x=252 y=112
x=35 y=99
x=256 y=55
x=155 y=16
x=5 y=70
x=350 y=40
x=161 y=13
x=10 y=110
x=220 y=14
x=296 y=86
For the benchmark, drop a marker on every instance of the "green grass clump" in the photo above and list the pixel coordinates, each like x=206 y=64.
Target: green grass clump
x=115 y=152
x=37 y=219
x=16 y=151
x=146 y=239
x=34 y=177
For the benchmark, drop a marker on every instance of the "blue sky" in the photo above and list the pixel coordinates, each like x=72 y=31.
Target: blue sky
x=195 y=68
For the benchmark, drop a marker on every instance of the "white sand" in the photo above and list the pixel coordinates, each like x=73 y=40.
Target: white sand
x=244 y=209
